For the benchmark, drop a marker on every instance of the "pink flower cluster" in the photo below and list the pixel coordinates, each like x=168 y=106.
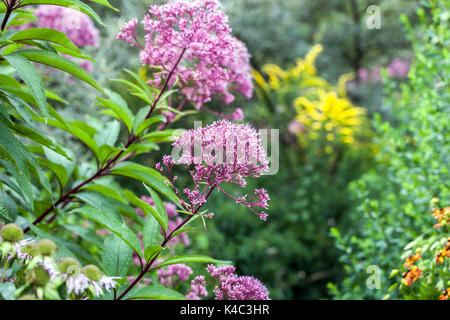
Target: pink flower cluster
x=198 y=289
x=193 y=38
x=397 y=68
x=233 y=287
x=176 y=220
x=221 y=152
x=174 y=273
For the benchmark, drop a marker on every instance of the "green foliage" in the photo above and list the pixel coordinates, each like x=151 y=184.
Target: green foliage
x=155 y=293
x=116 y=256
x=412 y=166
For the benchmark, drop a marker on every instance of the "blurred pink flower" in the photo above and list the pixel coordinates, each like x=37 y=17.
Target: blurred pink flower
x=398 y=68
x=196 y=35
x=295 y=127
x=174 y=273
x=198 y=289
x=77 y=26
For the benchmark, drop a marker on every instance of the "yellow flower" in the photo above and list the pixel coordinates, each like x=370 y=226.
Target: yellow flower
x=303 y=73
x=342 y=83
x=338 y=116
x=325 y=112
x=311 y=57
x=259 y=79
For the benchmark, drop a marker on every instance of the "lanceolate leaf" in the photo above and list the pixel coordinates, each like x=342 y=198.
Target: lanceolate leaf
x=39 y=138
x=99 y=202
x=4 y=213
x=147 y=175
x=151 y=234
x=120 y=108
x=74 y=4
x=159 y=206
x=155 y=293
x=188 y=259
x=32 y=79
x=116 y=256
x=59 y=62
x=105 y=3
x=47 y=34
x=113 y=224
x=21 y=157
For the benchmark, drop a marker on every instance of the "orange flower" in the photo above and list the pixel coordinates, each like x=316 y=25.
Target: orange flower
x=412 y=259
x=443 y=253
x=442 y=216
x=445 y=294
x=410 y=276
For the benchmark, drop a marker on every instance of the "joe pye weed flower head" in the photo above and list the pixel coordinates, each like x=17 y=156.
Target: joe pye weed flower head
x=221 y=152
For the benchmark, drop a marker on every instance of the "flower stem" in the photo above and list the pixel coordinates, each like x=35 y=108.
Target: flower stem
x=9 y=9
x=166 y=240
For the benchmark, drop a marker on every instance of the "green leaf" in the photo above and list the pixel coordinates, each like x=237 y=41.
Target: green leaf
x=106 y=4
x=106 y=191
x=161 y=214
x=188 y=259
x=59 y=62
x=119 y=106
x=22 y=107
x=155 y=293
x=7 y=290
x=142 y=84
x=74 y=4
x=36 y=136
x=151 y=234
x=117 y=256
x=163 y=136
x=150 y=252
x=138 y=129
x=47 y=34
x=109 y=134
x=85 y=233
x=83 y=132
x=106 y=152
x=72 y=53
x=142 y=147
x=63 y=251
x=31 y=77
x=4 y=212
x=113 y=224
x=100 y=202
x=140 y=117
x=147 y=175
x=20 y=157
x=183 y=230
x=61 y=166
